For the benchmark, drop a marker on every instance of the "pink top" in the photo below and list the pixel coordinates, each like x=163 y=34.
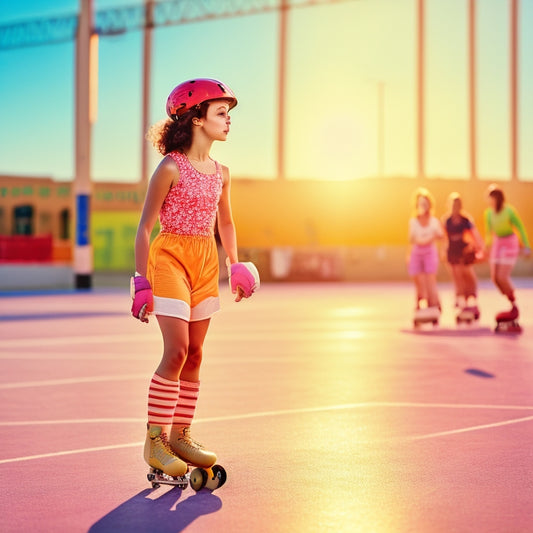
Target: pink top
x=190 y=207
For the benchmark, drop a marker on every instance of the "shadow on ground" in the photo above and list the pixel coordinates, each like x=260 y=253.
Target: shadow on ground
x=164 y=514
x=477 y=372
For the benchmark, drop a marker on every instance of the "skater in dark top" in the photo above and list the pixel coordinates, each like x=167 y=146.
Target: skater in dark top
x=464 y=246
x=502 y=223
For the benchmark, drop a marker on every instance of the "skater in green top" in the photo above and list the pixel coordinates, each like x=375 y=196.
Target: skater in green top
x=502 y=223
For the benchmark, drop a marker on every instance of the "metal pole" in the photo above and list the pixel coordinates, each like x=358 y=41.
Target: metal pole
x=282 y=75
x=514 y=88
x=381 y=128
x=472 y=87
x=421 y=172
x=83 y=253
x=146 y=86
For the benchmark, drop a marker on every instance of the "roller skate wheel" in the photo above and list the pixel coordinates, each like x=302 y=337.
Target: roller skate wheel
x=220 y=473
x=155 y=485
x=216 y=477
x=198 y=479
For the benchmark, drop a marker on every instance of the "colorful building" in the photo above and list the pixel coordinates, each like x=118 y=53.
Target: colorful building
x=295 y=229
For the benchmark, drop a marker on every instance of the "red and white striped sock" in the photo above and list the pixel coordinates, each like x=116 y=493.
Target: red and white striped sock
x=162 y=398
x=188 y=396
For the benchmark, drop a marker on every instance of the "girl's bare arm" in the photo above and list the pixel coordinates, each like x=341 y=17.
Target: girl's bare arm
x=161 y=182
x=226 y=227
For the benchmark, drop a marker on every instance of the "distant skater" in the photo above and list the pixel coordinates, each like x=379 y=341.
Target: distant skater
x=501 y=222
x=424 y=231
x=464 y=245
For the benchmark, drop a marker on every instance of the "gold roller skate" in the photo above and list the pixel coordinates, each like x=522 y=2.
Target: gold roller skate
x=184 y=446
x=159 y=456
x=166 y=468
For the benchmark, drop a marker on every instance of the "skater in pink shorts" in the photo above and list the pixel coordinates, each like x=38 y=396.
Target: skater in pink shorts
x=502 y=223
x=424 y=230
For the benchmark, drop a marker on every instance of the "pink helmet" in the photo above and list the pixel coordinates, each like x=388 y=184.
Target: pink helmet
x=190 y=93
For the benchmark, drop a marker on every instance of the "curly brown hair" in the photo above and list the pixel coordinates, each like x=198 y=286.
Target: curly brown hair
x=176 y=135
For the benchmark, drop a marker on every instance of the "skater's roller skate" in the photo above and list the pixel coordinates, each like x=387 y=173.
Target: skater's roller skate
x=192 y=454
x=165 y=466
x=184 y=446
x=469 y=312
x=507 y=321
x=426 y=315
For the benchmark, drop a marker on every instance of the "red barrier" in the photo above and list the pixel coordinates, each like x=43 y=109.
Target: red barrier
x=25 y=248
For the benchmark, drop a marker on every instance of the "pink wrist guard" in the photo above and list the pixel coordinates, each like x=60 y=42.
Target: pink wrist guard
x=243 y=276
x=143 y=299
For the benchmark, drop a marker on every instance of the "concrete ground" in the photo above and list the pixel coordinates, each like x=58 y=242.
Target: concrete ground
x=327 y=410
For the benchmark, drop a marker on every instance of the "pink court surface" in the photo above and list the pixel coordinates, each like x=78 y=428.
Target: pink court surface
x=327 y=410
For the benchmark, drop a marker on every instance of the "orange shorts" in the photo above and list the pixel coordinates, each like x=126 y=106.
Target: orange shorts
x=183 y=273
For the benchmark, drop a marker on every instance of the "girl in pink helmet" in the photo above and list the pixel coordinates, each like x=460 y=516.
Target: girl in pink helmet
x=176 y=275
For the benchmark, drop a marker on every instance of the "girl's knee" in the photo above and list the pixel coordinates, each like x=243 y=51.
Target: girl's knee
x=194 y=357
x=175 y=357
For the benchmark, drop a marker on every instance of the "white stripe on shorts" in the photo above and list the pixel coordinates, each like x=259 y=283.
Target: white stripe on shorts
x=503 y=260
x=172 y=307
x=205 y=309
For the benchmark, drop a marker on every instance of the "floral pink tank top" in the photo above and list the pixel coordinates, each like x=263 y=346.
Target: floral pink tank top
x=190 y=207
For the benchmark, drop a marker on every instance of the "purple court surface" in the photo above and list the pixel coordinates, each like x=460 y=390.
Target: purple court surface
x=328 y=411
